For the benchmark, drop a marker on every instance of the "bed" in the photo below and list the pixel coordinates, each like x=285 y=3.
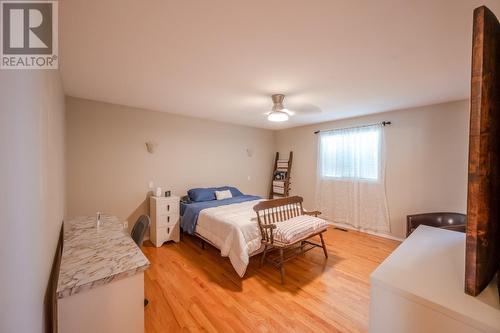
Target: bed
x=228 y=224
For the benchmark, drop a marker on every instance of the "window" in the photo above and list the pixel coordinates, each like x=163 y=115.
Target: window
x=352 y=153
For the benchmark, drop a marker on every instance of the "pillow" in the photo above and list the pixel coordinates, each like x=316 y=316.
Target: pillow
x=201 y=194
x=208 y=194
x=234 y=191
x=221 y=195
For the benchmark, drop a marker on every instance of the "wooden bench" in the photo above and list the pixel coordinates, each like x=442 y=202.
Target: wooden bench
x=285 y=225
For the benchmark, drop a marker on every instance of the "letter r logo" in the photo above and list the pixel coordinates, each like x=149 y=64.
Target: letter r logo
x=26 y=27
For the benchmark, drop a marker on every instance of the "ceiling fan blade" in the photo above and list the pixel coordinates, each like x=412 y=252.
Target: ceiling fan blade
x=306 y=109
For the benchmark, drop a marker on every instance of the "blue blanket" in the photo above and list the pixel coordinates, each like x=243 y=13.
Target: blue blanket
x=190 y=211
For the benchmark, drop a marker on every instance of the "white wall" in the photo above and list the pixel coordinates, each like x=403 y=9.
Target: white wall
x=426 y=159
x=109 y=168
x=32 y=192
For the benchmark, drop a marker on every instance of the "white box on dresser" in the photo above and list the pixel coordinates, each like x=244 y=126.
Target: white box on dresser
x=165 y=220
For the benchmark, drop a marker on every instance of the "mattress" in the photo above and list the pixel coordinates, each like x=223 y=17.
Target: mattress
x=234 y=230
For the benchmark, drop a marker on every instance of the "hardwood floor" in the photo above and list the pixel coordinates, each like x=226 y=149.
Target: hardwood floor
x=192 y=290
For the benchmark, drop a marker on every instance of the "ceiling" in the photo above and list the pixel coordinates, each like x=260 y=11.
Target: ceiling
x=222 y=60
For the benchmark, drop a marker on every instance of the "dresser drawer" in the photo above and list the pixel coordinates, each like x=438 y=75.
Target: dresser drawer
x=167 y=219
x=166 y=233
x=168 y=207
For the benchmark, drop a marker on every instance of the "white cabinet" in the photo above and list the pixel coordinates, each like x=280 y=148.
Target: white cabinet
x=420 y=288
x=165 y=221
x=100 y=287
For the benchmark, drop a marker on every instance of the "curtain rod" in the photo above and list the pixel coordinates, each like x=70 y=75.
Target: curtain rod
x=383 y=123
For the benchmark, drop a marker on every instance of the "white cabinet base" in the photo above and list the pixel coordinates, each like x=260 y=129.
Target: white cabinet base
x=117 y=306
x=391 y=312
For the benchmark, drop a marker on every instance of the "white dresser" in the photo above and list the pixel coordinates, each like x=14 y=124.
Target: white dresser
x=165 y=220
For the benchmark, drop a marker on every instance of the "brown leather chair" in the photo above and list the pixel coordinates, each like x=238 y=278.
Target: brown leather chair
x=450 y=221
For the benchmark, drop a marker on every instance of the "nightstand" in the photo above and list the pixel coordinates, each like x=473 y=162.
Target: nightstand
x=165 y=222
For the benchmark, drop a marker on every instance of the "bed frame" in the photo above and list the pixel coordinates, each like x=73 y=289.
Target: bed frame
x=204 y=241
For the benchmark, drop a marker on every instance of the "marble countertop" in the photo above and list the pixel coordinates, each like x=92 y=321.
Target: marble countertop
x=94 y=256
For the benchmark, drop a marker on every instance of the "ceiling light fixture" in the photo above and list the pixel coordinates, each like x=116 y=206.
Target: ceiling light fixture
x=278 y=112
x=277 y=116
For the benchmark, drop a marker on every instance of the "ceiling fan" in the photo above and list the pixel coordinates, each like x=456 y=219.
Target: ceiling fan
x=278 y=113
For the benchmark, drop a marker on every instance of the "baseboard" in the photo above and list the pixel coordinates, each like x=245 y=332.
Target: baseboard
x=379 y=234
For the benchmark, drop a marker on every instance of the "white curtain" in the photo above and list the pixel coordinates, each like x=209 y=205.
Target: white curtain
x=350 y=187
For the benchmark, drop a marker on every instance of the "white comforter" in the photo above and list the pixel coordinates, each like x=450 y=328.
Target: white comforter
x=234 y=230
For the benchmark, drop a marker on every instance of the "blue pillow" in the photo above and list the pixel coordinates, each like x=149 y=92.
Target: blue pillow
x=234 y=191
x=201 y=194
x=208 y=194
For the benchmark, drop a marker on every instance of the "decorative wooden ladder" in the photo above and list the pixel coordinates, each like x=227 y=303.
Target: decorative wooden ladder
x=280 y=184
